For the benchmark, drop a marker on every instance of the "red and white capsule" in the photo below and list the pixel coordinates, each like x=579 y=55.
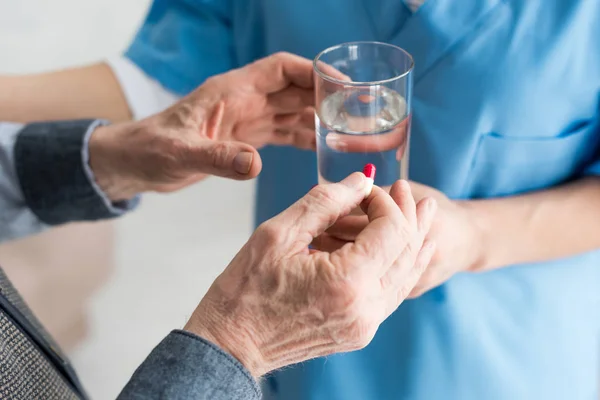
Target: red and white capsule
x=369 y=170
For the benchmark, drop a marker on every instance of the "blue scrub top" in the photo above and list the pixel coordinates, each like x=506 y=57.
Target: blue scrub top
x=506 y=100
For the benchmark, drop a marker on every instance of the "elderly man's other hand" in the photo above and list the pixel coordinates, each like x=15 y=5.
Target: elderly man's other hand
x=213 y=131
x=280 y=303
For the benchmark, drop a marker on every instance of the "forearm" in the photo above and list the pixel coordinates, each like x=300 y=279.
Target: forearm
x=540 y=226
x=79 y=93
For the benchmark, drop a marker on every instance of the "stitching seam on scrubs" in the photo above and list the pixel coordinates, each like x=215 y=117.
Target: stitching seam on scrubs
x=478 y=27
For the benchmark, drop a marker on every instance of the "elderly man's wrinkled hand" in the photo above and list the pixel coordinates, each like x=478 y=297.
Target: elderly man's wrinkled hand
x=215 y=130
x=280 y=302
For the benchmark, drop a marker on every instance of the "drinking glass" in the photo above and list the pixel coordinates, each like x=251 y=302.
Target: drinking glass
x=363 y=110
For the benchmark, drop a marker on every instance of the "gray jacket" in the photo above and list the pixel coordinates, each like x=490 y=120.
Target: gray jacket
x=45 y=181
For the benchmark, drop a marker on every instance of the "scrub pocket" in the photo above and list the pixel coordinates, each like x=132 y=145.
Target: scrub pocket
x=509 y=165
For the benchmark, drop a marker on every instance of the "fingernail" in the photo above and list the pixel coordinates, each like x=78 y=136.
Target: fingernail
x=243 y=162
x=355 y=181
x=369 y=170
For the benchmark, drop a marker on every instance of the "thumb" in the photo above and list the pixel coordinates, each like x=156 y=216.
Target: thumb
x=227 y=159
x=322 y=207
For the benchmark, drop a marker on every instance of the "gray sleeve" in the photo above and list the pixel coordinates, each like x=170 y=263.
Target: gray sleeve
x=45 y=178
x=185 y=366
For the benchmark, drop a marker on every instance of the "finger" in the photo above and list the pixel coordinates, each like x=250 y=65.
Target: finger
x=305 y=139
x=289 y=100
x=407 y=266
x=429 y=280
x=304 y=119
x=304 y=129
x=233 y=160
x=276 y=72
x=402 y=195
x=295 y=129
x=382 y=240
x=369 y=143
x=331 y=72
x=261 y=133
x=395 y=277
x=299 y=138
x=349 y=227
x=321 y=207
x=328 y=243
x=425 y=212
x=287 y=120
x=403 y=283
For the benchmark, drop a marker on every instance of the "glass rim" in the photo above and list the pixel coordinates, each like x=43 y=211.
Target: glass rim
x=331 y=79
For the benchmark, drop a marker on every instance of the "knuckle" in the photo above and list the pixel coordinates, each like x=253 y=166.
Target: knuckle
x=268 y=232
x=304 y=207
x=403 y=293
x=365 y=337
x=360 y=334
x=219 y=155
x=324 y=195
x=323 y=200
x=400 y=297
x=212 y=80
x=349 y=300
x=281 y=55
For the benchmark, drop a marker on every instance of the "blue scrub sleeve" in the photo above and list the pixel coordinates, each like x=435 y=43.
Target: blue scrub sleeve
x=593 y=168
x=183 y=42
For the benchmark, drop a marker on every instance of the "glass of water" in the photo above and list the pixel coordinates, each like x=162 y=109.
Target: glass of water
x=363 y=110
